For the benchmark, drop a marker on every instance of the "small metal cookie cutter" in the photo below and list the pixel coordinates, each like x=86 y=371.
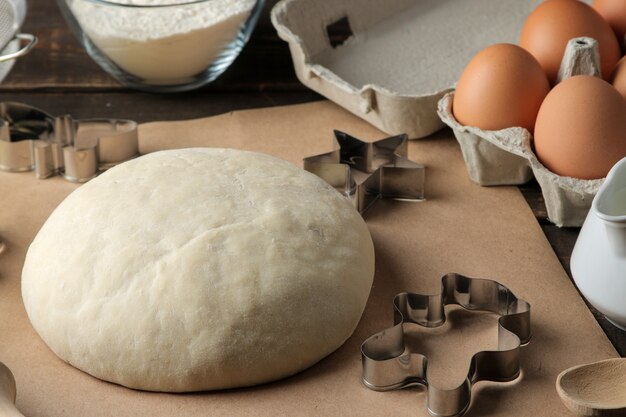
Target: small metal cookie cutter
x=388 y=364
x=31 y=139
x=366 y=172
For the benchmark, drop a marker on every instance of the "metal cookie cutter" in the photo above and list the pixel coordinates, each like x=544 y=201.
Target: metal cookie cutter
x=31 y=139
x=366 y=172
x=389 y=365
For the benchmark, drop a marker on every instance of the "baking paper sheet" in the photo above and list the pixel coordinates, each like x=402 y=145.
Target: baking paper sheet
x=462 y=227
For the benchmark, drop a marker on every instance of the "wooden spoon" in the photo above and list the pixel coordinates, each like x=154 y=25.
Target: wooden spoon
x=595 y=389
x=7 y=393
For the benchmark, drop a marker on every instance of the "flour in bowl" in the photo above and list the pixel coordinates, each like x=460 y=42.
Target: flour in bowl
x=162 y=45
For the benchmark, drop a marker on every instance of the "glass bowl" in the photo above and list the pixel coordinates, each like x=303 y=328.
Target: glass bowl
x=162 y=45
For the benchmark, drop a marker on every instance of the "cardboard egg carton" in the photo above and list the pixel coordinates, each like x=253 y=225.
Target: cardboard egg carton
x=390 y=62
x=506 y=157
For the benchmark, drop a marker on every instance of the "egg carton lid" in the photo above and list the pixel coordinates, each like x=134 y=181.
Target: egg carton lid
x=390 y=62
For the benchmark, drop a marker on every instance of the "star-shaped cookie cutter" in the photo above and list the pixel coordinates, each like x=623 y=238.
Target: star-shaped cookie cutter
x=388 y=364
x=366 y=172
x=33 y=140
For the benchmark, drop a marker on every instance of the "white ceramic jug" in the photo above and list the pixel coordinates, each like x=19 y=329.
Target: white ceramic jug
x=598 y=262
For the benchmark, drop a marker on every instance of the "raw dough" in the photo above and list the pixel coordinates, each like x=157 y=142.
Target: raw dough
x=199 y=269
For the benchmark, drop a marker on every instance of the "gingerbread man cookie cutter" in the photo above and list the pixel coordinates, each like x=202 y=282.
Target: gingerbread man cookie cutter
x=388 y=364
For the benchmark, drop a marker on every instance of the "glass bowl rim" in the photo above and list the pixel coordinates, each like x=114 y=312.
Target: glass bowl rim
x=170 y=3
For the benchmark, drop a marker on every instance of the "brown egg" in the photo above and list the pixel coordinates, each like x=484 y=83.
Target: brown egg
x=614 y=12
x=581 y=128
x=501 y=87
x=618 y=78
x=554 y=22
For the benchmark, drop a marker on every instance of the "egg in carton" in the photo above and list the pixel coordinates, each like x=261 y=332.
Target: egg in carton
x=507 y=157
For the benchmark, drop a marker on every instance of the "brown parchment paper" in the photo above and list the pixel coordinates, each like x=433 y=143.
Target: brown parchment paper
x=462 y=227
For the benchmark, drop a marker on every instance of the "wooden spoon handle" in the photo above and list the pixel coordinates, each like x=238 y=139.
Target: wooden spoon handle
x=7 y=393
x=9 y=410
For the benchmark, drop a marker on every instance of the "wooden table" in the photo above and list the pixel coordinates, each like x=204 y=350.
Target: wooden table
x=59 y=76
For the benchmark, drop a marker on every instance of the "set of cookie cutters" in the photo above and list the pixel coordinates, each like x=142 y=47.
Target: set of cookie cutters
x=506 y=157
x=33 y=140
x=366 y=172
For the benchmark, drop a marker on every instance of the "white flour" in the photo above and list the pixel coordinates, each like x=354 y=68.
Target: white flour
x=162 y=45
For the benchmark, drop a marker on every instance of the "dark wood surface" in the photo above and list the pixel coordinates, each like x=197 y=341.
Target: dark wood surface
x=59 y=77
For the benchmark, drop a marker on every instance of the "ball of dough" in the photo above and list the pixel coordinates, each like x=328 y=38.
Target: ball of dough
x=199 y=269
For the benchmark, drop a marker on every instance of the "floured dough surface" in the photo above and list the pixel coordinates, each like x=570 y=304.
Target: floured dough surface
x=199 y=269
